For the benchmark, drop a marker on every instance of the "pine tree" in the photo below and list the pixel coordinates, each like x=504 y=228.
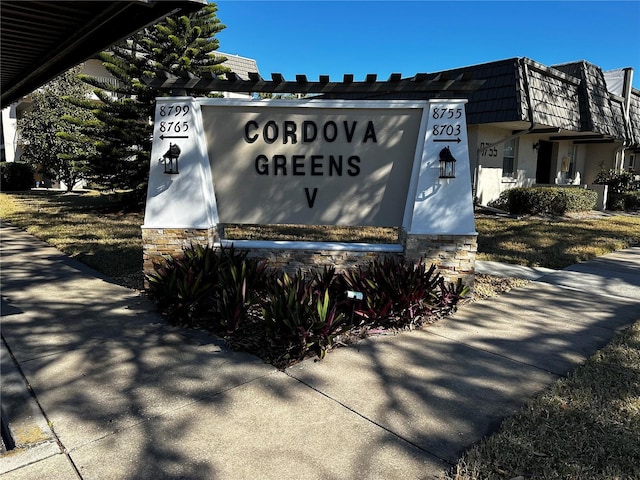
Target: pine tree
x=185 y=44
x=122 y=132
x=43 y=130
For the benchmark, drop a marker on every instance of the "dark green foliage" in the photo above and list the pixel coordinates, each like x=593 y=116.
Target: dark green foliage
x=546 y=200
x=619 y=182
x=45 y=131
x=182 y=285
x=450 y=295
x=624 y=201
x=283 y=318
x=300 y=316
x=624 y=189
x=206 y=286
x=15 y=176
x=376 y=303
x=185 y=44
x=238 y=283
x=121 y=131
x=397 y=293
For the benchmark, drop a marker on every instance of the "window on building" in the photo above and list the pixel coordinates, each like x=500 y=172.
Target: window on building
x=2 y=154
x=572 y=162
x=568 y=165
x=509 y=159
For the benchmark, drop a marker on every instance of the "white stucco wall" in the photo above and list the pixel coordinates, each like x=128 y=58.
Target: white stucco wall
x=597 y=156
x=490 y=182
x=587 y=160
x=9 y=132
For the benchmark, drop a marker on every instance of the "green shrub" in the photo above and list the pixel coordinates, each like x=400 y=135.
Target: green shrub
x=300 y=316
x=205 y=280
x=624 y=189
x=546 y=200
x=396 y=293
x=15 y=176
x=239 y=280
x=181 y=285
x=580 y=199
x=284 y=318
x=619 y=182
x=624 y=201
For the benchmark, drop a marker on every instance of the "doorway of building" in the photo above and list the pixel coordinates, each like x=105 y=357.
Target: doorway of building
x=543 y=166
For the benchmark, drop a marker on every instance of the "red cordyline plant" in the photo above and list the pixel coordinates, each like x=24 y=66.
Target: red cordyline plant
x=283 y=318
x=396 y=292
x=299 y=311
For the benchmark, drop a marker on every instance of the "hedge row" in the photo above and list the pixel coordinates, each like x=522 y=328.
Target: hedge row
x=15 y=176
x=624 y=201
x=545 y=200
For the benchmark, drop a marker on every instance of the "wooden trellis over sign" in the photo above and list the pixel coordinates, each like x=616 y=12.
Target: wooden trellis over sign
x=441 y=84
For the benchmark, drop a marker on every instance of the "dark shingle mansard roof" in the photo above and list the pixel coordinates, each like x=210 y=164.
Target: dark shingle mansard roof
x=634 y=117
x=599 y=111
x=496 y=100
x=573 y=97
x=501 y=98
x=554 y=97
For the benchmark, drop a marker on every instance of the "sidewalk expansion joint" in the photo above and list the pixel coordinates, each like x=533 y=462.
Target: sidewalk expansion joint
x=557 y=374
x=34 y=397
x=371 y=421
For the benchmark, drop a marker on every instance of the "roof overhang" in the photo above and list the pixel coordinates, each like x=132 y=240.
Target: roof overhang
x=41 y=39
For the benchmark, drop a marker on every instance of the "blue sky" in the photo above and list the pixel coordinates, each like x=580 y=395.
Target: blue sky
x=384 y=37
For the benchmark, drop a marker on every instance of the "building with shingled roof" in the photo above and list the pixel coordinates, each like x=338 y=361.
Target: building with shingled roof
x=531 y=124
x=528 y=124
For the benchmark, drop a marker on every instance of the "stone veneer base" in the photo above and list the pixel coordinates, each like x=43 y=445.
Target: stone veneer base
x=453 y=255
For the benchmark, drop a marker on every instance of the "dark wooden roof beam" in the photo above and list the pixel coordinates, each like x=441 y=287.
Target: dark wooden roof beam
x=41 y=39
x=233 y=83
x=538 y=130
x=232 y=76
x=603 y=140
x=595 y=136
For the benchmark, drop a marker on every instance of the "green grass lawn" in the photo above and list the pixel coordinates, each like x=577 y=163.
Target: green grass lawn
x=95 y=229
x=586 y=427
x=554 y=242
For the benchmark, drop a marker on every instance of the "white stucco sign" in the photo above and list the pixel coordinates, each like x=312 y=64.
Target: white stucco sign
x=360 y=163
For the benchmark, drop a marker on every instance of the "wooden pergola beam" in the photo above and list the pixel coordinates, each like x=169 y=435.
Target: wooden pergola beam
x=230 y=82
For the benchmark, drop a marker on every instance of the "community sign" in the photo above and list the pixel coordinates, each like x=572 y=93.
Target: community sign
x=310 y=162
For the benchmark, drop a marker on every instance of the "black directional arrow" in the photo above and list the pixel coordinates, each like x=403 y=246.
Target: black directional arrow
x=162 y=137
x=448 y=140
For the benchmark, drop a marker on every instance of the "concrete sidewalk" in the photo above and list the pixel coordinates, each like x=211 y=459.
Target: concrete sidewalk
x=116 y=393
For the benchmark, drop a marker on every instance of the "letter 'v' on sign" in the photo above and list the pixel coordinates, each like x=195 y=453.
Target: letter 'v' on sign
x=311 y=199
